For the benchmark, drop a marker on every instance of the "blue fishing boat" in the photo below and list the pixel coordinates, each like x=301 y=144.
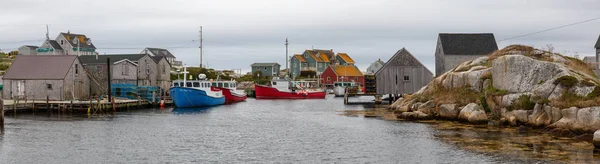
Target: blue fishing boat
x=195 y=93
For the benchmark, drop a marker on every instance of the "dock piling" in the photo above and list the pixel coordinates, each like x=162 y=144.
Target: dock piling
x=1 y=116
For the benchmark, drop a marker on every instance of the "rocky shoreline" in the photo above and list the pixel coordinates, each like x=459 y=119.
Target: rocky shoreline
x=515 y=86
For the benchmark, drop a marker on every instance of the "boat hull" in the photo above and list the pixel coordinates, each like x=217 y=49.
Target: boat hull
x=184 y=97
x=230 y=97
x=266 y=92
x=339 y=91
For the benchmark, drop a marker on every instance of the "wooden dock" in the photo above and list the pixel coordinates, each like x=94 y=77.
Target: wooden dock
x=90 y=106
x=347 y=97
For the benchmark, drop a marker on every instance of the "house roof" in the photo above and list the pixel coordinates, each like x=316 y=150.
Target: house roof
x=468 y=44
x=91 y=59
x=30 y=46
x=160 y=52
x=345 y=57
x=40 y=67
x=404 y=56
x=54 y=44
x=589 y=59
x=597 y=43
x=126 y=60
x=157 y=59
x=346 y=70
x=263 y=64
x=324 y=57
x=299 y=57
x=316 y=54
x=82 y=39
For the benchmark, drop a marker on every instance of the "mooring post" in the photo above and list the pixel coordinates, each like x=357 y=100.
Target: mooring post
x=109 y=79
x=1 y=116
x=47 y=102
x=113 y=105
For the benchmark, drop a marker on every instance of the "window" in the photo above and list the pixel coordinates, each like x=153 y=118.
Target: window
x=196 y=84
x=396 y=79
x=76 y=69
x=265 y=68
x=328 y=78
x=294 y=65
x=406 y=78
x=175 y=84
x=62 y=42
x=214 y=84
x=164 y=69
x=148 y=67
x=220 y=85
x=188 y=84
x=226 y=85
x=49 y=86
x=274 y=83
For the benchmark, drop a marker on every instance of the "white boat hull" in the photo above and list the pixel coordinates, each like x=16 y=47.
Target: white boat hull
x=339 y=91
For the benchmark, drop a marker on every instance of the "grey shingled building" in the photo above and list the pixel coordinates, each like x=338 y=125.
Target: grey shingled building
x=453 y=49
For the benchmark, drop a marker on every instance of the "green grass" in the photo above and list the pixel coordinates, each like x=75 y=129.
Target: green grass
x=595 y=93
x=490 y=90
x=566 y=81
x=523 y=102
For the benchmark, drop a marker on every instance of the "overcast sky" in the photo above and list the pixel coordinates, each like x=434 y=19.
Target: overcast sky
x=238 y=33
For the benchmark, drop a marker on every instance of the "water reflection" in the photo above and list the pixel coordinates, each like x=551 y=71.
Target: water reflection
x=196 y=110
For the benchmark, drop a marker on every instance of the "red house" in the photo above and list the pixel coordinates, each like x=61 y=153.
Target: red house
x=342 y=73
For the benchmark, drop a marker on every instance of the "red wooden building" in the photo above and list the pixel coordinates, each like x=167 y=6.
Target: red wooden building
x=342 y=73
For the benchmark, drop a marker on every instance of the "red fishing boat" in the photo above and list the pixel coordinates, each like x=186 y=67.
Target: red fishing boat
x=228 y=89
x=279 y=90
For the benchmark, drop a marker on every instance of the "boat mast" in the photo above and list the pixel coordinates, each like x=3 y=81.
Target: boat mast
x=287 y=72
x=200 y=47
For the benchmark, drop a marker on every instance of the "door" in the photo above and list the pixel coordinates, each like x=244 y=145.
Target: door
x=20 y=88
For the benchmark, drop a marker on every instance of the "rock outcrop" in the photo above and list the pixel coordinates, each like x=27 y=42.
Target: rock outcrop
x=517 y=85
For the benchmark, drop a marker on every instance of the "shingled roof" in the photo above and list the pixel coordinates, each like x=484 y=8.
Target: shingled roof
x=263 y=64
x=83 y=40
x=299 y=57
x=54 y=44
x=345 y=57
x=40 y=67
x=597 y=43
x=160 y=52
x=346 y=70
x=468 y=44
x=91 y=59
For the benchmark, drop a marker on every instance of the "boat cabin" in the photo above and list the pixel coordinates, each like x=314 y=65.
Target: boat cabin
x=192 y=83
x=225 y=84
x=344 y=84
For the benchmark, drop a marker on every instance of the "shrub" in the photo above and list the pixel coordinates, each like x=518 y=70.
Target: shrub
x=523 y=102
x=588 y=83
x=566 y=81
x=490 y=90
x=460 y=96
x=484 y=104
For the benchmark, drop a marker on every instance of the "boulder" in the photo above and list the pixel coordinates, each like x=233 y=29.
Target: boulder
x=468 y=110
x=581 y=90
x=448 y=111
x=521 y=115
x=427 y=107
x=518 y=73
x=596 y=139
x=477 y=116
x=414 y=115
x=512 y=121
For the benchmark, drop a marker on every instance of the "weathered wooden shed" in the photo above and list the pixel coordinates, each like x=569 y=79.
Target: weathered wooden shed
x=124 y=70
x=35 y=77
x=402 y=74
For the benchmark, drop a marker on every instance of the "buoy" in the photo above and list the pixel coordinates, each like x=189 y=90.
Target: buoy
x=89 y=110
x=162 y=103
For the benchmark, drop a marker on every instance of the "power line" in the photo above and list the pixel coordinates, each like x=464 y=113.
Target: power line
x=550 y=29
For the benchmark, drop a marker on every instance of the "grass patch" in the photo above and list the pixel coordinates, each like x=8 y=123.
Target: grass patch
x=523 y=102
x=541 y=82
x=569 y=99
x=484 y=104
x=566 y=81
x=461 y=96
x=579 y=66
x=490 y=90
x=588 y=82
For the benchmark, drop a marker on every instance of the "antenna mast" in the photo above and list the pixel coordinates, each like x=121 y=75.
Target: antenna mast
x=47 y=31
x=200 y=46
x=287 y=72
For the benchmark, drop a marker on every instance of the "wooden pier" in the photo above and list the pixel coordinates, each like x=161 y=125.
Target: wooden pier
x=89 y=106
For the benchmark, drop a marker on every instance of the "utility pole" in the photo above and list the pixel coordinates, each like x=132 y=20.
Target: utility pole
x=200 y=46
x=287 y=69
x=47 y=31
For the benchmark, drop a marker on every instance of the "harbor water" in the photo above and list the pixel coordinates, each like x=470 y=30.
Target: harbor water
x=255 y=131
